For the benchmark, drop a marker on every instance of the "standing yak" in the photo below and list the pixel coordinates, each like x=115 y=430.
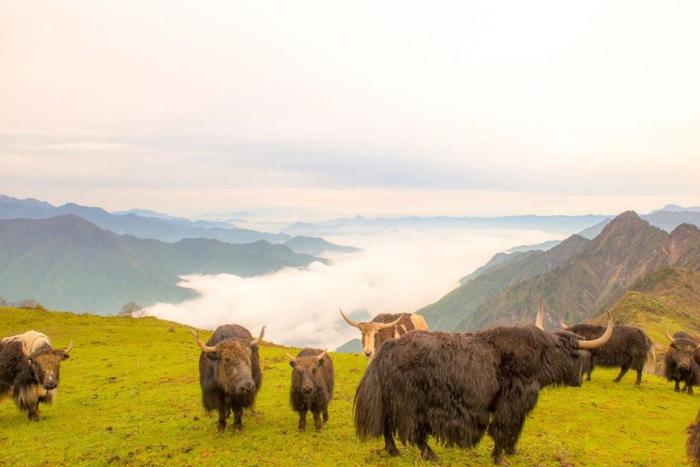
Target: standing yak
x=693 y=446
x=229 y=372
x=312 y=385
x=457 y=386
x=384 y=327
x=629 y=347
x=29 y=368
x=682 y=362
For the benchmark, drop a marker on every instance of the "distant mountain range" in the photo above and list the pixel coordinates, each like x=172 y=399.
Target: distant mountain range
x=66 y=262
x=576 y=279
x=317 y=246
x=144 y=223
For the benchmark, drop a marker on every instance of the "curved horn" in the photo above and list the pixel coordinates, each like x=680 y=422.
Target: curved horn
x=259 y=339
x=348 y=320
x=205 y=348
x=69 y=348
x=563 y=325
x=322 y=355
x=389 y=325
x=291 y=359
x=539 y=318
x=668 y=336
x=595 y=343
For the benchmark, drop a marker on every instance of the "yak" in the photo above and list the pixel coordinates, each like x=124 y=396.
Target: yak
x=312 y=385
x=384 y=327
x=30 y=370
x=229 y=372
x=456 y=387
x=682 y=362
x=629 y=347
x=693 y=445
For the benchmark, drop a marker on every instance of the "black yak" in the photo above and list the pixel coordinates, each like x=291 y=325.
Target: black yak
x=682 y=362
x=629 y=347
x=312 y=385
x=385 y=326
x=30 y=370
x=229 y=372
x=455 y=387
x=693 y=446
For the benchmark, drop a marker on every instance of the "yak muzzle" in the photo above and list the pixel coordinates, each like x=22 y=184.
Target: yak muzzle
x=50 y=385
x=246 y=387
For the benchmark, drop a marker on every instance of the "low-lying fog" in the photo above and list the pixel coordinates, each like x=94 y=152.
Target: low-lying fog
x=398 y=271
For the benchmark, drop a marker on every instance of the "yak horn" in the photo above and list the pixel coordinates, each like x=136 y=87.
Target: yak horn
x=595 y=343
x=563 y=325
x=205 y=348
x=389 y=325
x=322 y=355
x=259 y=339
x=348 y=320
x=69 y=348
x=668 y=336
x=539 y=318
x=396 y=331
x=291 y=359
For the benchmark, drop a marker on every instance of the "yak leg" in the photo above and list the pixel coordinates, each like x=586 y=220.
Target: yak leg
x=302 y=420
x=325 y=415
x=507 y=421
x=238 y=418
x=677 y=387
x=426 y=453
x=690 y=389
x=590 y=370
x=223 y=415
x=317 y=421
x=389 y=445
x=33 y=412
x=638 y=381
x=623 y=371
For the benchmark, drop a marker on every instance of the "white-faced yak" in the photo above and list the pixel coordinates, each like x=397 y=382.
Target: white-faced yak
x=384 y=327
x=29 y=369
x=312 y=385
x=456 y=387
x=229 y=372
x=628 y=348
x=682 y=362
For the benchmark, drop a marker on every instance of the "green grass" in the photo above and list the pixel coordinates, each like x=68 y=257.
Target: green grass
x=129 y=395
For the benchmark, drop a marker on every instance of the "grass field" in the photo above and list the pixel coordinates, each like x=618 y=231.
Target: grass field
x=129 y=395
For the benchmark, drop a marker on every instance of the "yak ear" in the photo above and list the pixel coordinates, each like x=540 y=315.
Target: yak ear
x=61 y=354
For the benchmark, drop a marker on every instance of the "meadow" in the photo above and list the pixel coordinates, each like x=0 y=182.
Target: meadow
x=129 y=395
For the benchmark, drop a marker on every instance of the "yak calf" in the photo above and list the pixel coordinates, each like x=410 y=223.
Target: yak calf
x=682 y=362
x=312 y=385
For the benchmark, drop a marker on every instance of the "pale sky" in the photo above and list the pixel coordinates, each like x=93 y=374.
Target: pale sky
x=317 y=109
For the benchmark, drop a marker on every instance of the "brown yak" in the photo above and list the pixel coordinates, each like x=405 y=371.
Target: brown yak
x=384 y=327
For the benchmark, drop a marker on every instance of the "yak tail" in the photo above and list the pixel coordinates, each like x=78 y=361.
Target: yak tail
x=650 y=363
x=367 y=406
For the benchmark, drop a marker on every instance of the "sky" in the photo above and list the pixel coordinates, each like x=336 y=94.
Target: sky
x=315 y=109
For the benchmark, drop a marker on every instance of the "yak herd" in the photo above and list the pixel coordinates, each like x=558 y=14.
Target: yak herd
x=456 y=387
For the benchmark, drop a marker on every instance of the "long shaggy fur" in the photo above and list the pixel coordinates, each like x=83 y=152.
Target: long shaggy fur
x=320 y=377
x=693 y=446
x=673 y=371
x=628 y=348
x=455 y=387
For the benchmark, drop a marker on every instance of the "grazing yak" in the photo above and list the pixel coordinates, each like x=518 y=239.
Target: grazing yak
x=682 y=362
x=455 y=387
x=629 y=347
x=693 y=446
x=29 y=369
x=229 y=372
x=384 y=327
x=312 y=385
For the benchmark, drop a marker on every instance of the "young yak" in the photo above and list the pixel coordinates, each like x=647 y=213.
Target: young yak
x=312 y=385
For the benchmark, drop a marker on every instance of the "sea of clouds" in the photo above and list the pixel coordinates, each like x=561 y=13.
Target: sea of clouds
x=397 y=271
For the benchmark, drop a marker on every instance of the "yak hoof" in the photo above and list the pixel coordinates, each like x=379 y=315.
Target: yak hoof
x=429 y=455
x=393 y=452
x=34 y=417
x=220 y=427
x=676 y=390
x=500 y=460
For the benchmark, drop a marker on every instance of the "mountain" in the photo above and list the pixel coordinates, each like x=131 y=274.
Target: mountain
x=544 y=246
x=360 y=224
x=502 y=271
x=168 y=229
x=627 y=249
x=317 y=246
x=677 y=208
x=351 y=346
x=66 y=262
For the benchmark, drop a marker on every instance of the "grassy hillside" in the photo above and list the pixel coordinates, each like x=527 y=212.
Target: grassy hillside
x=129 y=395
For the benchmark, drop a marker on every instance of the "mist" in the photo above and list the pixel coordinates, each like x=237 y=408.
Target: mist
x=398 y=271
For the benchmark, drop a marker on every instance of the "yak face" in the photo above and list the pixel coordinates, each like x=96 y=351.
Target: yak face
x=562 y=362
x=305 y=373
x=234 y=372
x=682 y=352
x=46 y=366
x=374 y=333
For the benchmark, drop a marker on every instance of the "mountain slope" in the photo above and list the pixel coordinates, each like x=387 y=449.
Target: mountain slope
x=66 y=262
x=167 y=229
x=446 y=313
x=316 y=246
x=627 y=250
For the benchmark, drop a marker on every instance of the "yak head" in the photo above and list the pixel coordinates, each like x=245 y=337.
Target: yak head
x=45 y=363
x=682 y=350
x=234 y=363
x=566 y=353
x=372 y=333
x=304 y=373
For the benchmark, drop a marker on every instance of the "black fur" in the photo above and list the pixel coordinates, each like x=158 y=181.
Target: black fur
x=231 y=377
x=693 y=447
x=681 y=363
x=317 y=376
x=455 y=387
x=629 y=347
